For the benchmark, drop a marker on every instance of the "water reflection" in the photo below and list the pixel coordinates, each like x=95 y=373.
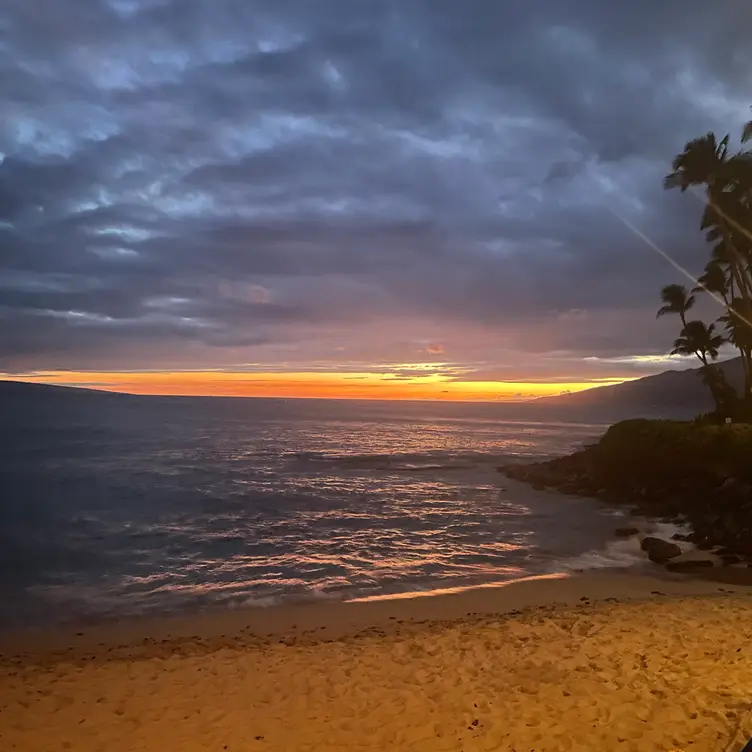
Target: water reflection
x=164 y=508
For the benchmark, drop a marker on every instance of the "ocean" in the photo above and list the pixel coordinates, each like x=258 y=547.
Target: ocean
x=118 y=506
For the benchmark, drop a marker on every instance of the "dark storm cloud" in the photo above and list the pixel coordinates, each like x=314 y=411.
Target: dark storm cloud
x=220 y=174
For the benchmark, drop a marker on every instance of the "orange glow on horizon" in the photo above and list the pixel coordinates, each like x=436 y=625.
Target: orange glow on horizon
x=316 y=385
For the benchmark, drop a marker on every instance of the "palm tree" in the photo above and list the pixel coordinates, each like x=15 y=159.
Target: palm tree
x=727 y=221
x=706 y=161
x=698 y=339
x=714 y=281
x=739 y=334
x=676 y=300
x=701 y=163
x=724 y=396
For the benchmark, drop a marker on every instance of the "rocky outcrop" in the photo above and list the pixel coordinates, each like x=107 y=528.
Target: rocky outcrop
x=680 y=472
x=660 y=551
x=569 y=475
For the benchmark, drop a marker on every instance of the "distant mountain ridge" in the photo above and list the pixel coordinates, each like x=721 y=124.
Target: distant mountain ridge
x=671 y=394
x=31 y=388
x=668 y=390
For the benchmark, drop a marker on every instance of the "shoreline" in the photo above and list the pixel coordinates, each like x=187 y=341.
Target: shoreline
x=334 y=620
x=595 y=662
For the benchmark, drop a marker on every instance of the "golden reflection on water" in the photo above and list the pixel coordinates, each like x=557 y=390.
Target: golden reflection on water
x=459 y=589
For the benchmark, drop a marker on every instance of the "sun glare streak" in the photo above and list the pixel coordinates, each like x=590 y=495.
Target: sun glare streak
x=636 y=230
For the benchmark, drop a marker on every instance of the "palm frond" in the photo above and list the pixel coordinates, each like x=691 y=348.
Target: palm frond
x=747 y=132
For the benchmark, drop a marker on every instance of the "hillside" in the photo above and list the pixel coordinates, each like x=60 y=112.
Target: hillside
x=21 y=389
x=670 y=390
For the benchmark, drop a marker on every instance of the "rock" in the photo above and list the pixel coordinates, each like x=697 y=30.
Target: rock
x=688 y=566
x=538 y=487
x=730 y=559
x=681 y=537
x=626 y=532
x=723 y=551
x=660 y=551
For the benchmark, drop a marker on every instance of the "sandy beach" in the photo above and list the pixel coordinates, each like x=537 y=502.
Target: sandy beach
x=597 y=662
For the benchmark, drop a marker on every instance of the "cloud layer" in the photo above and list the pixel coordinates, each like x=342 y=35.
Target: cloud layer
x=208 y=183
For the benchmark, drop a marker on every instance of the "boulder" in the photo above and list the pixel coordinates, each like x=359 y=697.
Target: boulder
x=626 y=532
x=660 y=551
x=688 y=566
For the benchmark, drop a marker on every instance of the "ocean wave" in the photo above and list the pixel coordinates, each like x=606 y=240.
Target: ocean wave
x=624 y=553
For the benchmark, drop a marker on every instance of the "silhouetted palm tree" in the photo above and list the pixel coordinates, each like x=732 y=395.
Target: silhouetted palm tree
x=725 y=398
x=676 y=300
x=726 y=177
x=698 y=339
x=747 y=132
x=701 y=163
x=739 y=334
x=714 y=280
x=727 y=222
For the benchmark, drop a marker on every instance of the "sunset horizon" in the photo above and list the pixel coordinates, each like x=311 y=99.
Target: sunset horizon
x=382 y=385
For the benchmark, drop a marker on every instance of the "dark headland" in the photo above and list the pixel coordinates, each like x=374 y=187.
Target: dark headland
x=697 y=472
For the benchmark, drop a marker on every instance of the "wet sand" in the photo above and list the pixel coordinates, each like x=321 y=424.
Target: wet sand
x=603 y=661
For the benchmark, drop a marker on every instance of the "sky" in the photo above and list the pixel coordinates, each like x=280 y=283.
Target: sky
x=392 y=198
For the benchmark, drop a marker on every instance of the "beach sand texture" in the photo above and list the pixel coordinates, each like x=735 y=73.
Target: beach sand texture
x=667 y=673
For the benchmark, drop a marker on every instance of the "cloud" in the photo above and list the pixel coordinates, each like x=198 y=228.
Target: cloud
x=186 y=182
x=433 y=348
